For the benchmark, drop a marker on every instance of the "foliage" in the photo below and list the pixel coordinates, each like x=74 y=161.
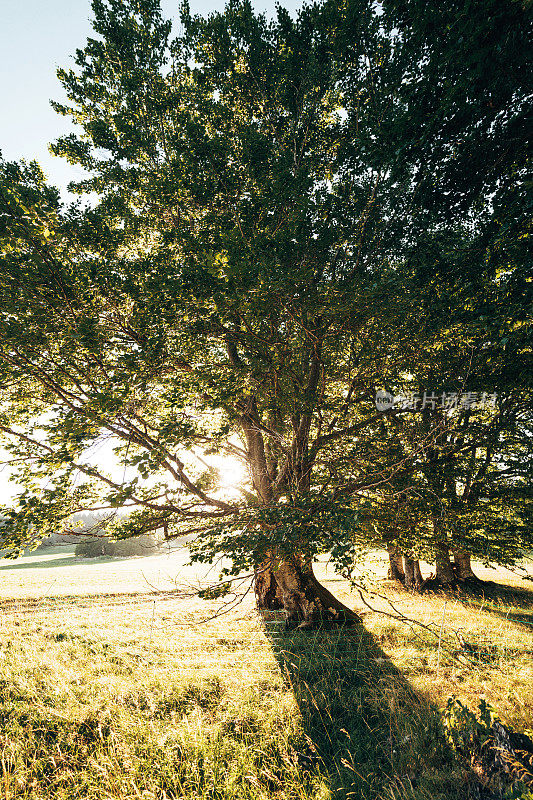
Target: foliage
x=209 y=292
x=499 y=754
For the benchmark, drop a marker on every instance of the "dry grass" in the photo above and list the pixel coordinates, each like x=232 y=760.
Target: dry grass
x=115 y=698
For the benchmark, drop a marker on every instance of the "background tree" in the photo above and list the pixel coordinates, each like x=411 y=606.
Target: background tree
x=459 y=118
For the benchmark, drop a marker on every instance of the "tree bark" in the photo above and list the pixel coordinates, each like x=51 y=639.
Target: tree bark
x=418 y=573
x=396 y=570
x=292 y=586
x=413 y=576
x=268 y=592
x=462 y=566
x=255 y=445
x=443 y=566
x=289 y=585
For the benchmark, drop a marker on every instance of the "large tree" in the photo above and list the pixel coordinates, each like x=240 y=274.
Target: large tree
x=229 y=280
x=246 y=270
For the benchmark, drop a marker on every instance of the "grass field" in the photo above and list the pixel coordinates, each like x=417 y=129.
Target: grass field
x=110 y=689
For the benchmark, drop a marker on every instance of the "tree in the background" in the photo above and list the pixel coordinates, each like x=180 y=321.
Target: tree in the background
x=461 y=120
x=465 y=487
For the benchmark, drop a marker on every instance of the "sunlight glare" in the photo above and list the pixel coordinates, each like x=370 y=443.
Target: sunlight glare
x=233 y=473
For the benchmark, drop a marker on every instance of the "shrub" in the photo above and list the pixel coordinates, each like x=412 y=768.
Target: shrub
x=502 y=757
x=91 y=548
x=143 y=545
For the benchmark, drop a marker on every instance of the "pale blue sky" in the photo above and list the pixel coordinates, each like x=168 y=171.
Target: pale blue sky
x=36 y=37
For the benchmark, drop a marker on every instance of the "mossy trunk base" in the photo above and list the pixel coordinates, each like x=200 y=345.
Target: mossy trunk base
x=293 y=587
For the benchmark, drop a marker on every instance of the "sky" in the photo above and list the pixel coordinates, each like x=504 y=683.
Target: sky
x=37 y=37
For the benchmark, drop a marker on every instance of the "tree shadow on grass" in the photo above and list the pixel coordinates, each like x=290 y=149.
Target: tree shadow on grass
x=70 y=561
x=365 y=726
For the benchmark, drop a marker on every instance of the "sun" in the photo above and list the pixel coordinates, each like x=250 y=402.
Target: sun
x=233 y=472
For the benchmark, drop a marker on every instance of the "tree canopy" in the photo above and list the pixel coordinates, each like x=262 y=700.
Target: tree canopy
x=290 y=215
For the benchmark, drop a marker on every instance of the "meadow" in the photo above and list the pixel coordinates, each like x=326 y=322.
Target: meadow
x=114 y=688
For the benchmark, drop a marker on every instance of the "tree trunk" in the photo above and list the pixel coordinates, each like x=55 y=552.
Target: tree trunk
x=413 y=576
x=289 y=584
x=396 y=571
x=462 y=567
x=443 y=566
x=268 y=593
x=293 y=586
